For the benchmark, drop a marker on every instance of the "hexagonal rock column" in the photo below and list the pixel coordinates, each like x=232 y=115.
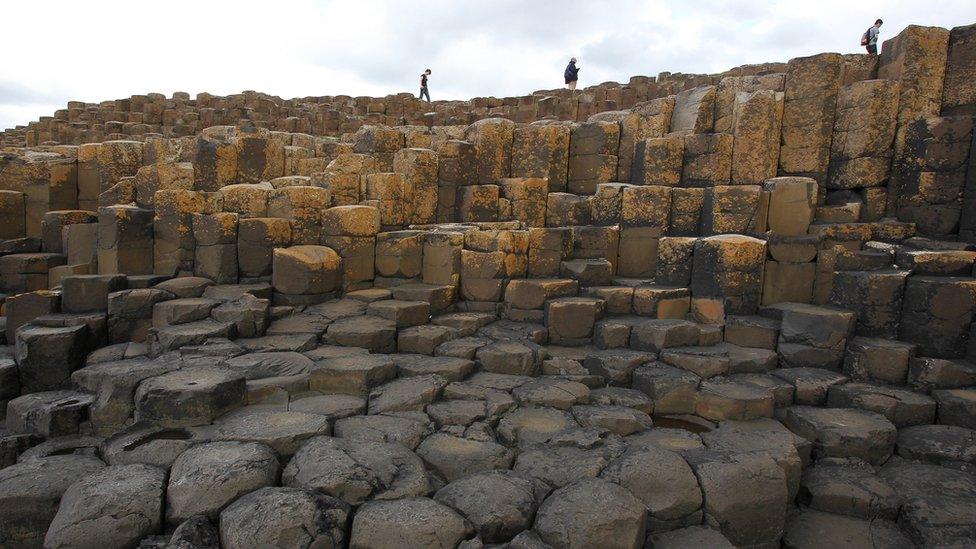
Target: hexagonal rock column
x=593 y=148
x=270 y=517
x=811 y=90
x=843 y=432
x=125 y=240
x=745 y=494
x=727 y=276
x=757 y=118
x=189 y=397
x=351 y=232
x=419 y=169
x=47 y=355
x=118 y=506
x=31 y=491
x=812 y=336
x=571 y=319
x=306 y=274
x=876 y=298
x=256 y=240
x=541 y=150
x=935 y=314
x=492 y=139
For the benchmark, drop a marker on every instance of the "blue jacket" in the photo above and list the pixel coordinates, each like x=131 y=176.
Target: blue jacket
x=571 y=72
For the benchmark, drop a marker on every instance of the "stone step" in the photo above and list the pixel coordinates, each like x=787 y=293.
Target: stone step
x=843 y=432
x=401 y=312
x=570 y=320
x=901 y=407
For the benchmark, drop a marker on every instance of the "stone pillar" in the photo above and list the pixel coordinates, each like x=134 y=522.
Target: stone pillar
x=351 y=232
x=492 y=139
x=658 y=161
x=757 y=120
x=810 y=96
x=527 y=197
x=593 y=150
x=864 y=131
x=256 y=240
x=916 y=60
x=541 y=150
x=303 y=207
x=694 y=111
x=727 y=275
x=12 y=215
x=419 y=168
x=125 y=240
x=174 y=244
x=215 y=255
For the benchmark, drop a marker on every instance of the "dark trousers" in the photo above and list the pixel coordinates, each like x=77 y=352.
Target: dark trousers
x=425 y=93
x=873 y=49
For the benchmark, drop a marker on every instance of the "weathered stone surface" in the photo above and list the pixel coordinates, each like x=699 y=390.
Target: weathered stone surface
x=30 y=493
x=841 y=432
x=117 y=505
x=208 y=477
x=408 y=522
x=276 y=517
x=188 y=397
x=498 y=504
x=356 y=470
x=744 y=494
x=565 y=518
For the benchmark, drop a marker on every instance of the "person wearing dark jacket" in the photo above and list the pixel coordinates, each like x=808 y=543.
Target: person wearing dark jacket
x=571 y=74
x=423 y=85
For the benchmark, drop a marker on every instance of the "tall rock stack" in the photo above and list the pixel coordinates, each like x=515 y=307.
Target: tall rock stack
x=174 y=240
x=541 y=150
x=51 y=184
x=932 y=171
x=215 y=252
x=630 y=132
x=790 y=270
x=345 y=177
x=916 y=59
x=457 y=168
x=694 y=111
x=810 y=98
x=351 y=232
x=860 y=153
x=302 y=206
x=643 y=221
x=420 y=171
x=125 y=240
x=492 y=139
x=757 y=119
x=727 y=276
x=593 y=150
x=958 y=99
x=13 y=215
x=728 y=90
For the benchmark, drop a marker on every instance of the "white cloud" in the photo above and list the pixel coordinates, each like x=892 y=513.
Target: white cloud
x=293 y=48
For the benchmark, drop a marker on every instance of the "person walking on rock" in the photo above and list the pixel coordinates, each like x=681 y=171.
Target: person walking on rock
x=870 y=38
x=423 y=85
x=571 y=74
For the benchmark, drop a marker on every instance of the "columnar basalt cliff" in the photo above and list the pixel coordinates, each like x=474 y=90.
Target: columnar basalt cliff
x=692 y=310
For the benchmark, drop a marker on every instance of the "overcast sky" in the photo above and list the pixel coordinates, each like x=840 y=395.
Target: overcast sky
x=93 y=51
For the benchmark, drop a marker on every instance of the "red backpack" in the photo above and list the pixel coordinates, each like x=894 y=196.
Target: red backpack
x=864 y=37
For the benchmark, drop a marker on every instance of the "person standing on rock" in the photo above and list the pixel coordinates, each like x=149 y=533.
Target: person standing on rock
x=870 y=38
x=423 y=85
x=571 y=74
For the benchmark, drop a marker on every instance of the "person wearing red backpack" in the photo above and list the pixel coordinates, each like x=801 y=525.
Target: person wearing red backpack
x=870 y=37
